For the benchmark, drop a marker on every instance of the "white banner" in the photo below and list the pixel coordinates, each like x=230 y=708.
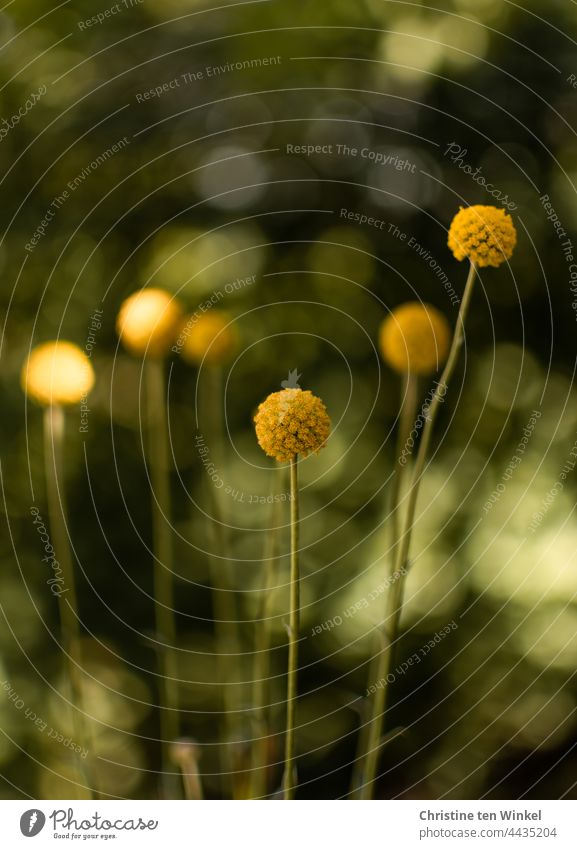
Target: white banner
x=281 y=825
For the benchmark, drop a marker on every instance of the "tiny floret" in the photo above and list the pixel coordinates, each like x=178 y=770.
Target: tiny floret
x=292 y=422
x=415 y=338
x=57 y=373
x=485 y=235
x=148 y=322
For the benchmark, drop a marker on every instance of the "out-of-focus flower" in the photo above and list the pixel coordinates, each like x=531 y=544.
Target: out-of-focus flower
x=484 y=234
x=57 y=373
x=209 y=337
x=148 y=322
x=415 y=338
x=291 y=422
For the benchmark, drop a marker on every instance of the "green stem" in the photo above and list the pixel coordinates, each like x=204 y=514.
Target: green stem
x=187 y=756
x=441 y=388
x=223 y=597
x=406 y=424
x=67 y=599
x=261 y=666
x=290 y=775
x=159 y=465
x=409 y=396
x=395 y=596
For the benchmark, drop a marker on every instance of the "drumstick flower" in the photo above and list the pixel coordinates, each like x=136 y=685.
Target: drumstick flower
x=415 y=339
x=147 y=324
x=486 y=236
x=290 y=423
x=57 y=375
x=209 y=337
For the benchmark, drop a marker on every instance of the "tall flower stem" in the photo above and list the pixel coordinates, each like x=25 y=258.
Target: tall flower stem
x=159 y=465
x=186 y=755
x=226 y=625
x=406 y=423
x=54 y=425
x=408 y=412
x=290 y=775
x=395 y=596
x=441 y=388
x=261 y=665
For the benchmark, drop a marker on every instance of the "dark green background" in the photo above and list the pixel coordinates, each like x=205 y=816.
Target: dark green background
x=491 y=711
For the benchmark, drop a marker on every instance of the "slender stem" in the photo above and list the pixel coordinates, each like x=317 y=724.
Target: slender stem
x=261 y=665
x=395 y=596
x=407 y=420
x=408 y=412
x=441 y=388
x=379 y=706
x=159 y=465
x=186 y=755
x=225 y=645
x=225 y=617
x=290 y=775
x=67 y=599
x=191 y=781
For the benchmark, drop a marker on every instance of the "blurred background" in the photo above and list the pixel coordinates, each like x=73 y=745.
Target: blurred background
x=194 y=147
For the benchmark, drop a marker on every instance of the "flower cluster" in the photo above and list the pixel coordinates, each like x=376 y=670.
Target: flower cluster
x=148 y=322
x=212 y=338
x=292 y=422
x=57 y=373
x=415 y=338
x=484 y=234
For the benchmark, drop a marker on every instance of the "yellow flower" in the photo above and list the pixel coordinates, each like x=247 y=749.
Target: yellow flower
x=208 y=337
x=148 y=322
x=57 y=373
x=415 y=338
x=484 y=234
x=291 y=422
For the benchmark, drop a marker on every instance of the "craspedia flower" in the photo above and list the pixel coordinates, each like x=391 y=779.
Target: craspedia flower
x=484 y=234
x=148 y=322
x=209 y=337
x=291 y=422
x=415 y=338
x=57 y=373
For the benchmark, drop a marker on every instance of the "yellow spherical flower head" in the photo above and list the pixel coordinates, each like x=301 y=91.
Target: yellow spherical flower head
x=148 y=322
x=57 y=373
x=209 y=337
x=291 y=422
x=484 y=234
x=415 y=338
